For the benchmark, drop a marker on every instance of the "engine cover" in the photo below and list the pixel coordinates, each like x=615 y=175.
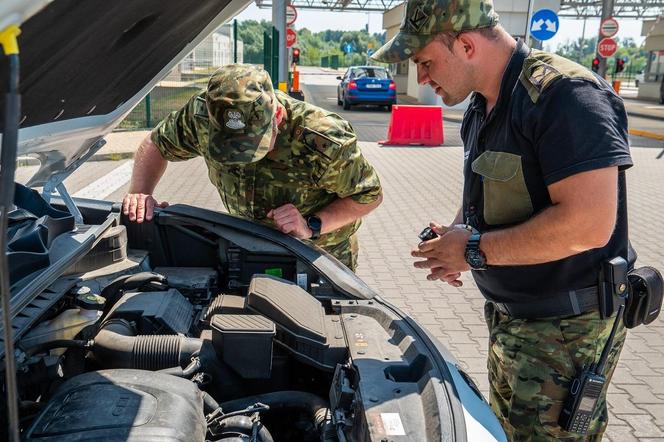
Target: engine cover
x=122 y=405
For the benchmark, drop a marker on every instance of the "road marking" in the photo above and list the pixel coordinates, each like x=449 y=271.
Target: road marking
x=646 y=134
x=107 y=184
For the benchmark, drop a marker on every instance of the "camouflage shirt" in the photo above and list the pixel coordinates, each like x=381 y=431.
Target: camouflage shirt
x=316 y=160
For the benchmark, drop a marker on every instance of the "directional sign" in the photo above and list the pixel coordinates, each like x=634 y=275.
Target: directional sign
x=291 y=37
x=607 y=47
x=291 y=14
x=370 y=52
x=544 y=24
x=609 y=27
x=348 y=48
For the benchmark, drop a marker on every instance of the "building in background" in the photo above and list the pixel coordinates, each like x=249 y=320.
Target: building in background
x=653 y=31
x=513 y=17
x=215 y=51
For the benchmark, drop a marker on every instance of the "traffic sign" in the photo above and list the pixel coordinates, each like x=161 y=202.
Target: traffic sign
x=607 y=47
x=609 y=27
x=348 y=48
x=370 y=52
x=291 y=14
x=544 y=24
x=291 y=37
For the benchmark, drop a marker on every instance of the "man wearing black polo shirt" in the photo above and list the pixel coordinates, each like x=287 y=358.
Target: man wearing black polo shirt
x=544 y=204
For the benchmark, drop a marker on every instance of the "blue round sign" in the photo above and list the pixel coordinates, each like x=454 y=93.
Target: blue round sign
x=544 y=24
x=370 y=52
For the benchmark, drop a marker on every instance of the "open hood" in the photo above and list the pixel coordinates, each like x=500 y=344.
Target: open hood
x=86 y=64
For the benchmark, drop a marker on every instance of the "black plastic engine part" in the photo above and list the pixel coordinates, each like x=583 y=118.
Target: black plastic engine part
x=116 y=346
x=302 y=326
x=122 y=405
x=223 y=303
x=314 y=405
x=155 y=312
x=240 y=429
x=244 y=343
x=194 y=281
x=111 y=248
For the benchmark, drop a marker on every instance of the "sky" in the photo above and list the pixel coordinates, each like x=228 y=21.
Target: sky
x=318 y=21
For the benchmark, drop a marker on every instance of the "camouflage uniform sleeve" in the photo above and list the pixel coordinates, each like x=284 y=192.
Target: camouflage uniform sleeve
x=349 y=174
x=176 y=136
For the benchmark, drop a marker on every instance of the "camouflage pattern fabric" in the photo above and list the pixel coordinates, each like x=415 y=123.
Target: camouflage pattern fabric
x=316 y=160
x=423 y=19
x=532 y=364
x=241 y=105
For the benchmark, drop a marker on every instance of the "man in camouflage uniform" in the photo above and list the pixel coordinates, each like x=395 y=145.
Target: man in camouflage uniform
x=545 y=149
x=273 y=159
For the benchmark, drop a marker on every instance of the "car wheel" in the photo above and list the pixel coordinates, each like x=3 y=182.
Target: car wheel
x=388 y=108
x=346 y=104
x=339 y=102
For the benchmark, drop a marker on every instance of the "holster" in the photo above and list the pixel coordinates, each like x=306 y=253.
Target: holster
x=646 y=292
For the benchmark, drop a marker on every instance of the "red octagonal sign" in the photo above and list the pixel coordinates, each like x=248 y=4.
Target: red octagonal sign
x=607 y=47
x=291 y=37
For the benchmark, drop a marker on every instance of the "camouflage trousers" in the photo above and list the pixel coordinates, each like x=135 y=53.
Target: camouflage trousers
x=532 y=364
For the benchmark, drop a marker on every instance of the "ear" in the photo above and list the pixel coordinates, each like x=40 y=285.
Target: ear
x=466 y=45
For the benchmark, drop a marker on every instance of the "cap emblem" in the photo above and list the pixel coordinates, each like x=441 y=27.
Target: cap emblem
x=234 y=119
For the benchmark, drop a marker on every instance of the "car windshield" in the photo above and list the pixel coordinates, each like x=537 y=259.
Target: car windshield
x=379 y=73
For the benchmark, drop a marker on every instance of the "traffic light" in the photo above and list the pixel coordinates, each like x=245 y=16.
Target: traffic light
x=296 y=55
x=595 y=64
x=620 y=64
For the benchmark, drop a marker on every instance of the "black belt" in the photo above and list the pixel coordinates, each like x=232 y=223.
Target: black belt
x=572 y=303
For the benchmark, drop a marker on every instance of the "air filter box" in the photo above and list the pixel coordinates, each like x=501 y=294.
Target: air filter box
x=244 y=342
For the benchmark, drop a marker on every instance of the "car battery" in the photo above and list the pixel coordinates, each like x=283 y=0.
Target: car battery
x=244 y=343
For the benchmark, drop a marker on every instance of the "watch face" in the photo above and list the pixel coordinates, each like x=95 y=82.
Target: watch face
x=314 y=222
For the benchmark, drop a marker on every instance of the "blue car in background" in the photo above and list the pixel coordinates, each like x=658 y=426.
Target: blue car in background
x=366 y=85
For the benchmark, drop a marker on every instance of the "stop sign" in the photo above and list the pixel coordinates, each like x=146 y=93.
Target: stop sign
x=607 y=47
x=291 y=37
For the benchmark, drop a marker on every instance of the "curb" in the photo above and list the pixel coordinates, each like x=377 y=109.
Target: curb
x=646 y=134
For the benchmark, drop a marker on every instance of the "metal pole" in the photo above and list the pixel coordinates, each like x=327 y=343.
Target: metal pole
x=583 y=41
x=279 y=22
x=528 y=18
x=148 y=111
x=235 y=41
x=607 y=11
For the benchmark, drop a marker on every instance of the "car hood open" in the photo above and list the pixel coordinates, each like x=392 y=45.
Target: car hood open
x=86 y=64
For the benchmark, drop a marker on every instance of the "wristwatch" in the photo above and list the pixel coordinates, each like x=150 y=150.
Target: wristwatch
x=474 y=256
x=315 y=224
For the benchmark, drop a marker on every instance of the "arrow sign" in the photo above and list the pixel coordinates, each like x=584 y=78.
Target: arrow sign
x=544 y=24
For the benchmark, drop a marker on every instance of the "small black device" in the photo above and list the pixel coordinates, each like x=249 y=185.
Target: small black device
x=612 y=286
x=315 y=224
x=474 y=256
x=427 y=234
x=581 y=403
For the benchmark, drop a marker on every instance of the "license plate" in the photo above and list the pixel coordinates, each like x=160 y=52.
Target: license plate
x=373 y=86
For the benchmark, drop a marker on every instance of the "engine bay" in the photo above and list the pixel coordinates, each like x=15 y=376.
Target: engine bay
x=247 y=342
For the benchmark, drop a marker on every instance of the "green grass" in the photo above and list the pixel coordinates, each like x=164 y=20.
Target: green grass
x=163 y=100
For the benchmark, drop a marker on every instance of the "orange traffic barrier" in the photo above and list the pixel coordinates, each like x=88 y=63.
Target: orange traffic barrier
x=415 y=125
x=296 y=80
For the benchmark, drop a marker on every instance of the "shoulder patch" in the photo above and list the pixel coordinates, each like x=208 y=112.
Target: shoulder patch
x=540 y=70
x=317 y=142
x=200 y=107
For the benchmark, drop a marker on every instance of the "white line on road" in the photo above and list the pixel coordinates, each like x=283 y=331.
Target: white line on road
x=107 y=184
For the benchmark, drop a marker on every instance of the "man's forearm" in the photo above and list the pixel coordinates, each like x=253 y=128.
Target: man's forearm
x=149 y=166
x=344 y=211
x=551 y=235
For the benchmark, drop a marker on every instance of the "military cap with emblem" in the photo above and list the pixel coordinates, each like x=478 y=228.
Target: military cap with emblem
x=426 y=18
x=241 y=104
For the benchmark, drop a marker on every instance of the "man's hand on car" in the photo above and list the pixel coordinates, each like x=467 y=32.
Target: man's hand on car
x=445 y=255
x=140 y=206
x=289 y=220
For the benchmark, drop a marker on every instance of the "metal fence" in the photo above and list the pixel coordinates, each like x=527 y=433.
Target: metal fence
x=189 y=77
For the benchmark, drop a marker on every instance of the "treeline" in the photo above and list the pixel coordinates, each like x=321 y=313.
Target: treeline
x=313 y=46
x=583 y=51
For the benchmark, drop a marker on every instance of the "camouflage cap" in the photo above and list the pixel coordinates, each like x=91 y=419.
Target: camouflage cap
x=241 y=104
x=426 y=18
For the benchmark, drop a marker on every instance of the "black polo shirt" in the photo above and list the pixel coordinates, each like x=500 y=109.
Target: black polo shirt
x=575 y=125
